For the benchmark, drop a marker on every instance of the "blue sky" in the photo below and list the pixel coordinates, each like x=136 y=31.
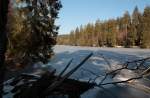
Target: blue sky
x=80 y=12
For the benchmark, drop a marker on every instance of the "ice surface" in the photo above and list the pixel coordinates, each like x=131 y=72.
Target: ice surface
x=98 y=65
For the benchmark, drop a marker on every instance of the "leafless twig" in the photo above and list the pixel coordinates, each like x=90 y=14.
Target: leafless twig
x=125 y=81
x=125 y=66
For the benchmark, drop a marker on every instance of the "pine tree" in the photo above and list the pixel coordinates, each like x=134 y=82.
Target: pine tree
x=127 y=29
x=81 y=36
x=145 y=40
x=89 y=34
x=3 y=40
x=136 y=26
x=111 y=33
x=131 y=36
x=97 y=34
x=119 y=31
x=37 y=33
x=77 y=36
x=72 y=39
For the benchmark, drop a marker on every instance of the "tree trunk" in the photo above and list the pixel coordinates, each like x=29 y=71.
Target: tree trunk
x=3 y=39
x=74 y=95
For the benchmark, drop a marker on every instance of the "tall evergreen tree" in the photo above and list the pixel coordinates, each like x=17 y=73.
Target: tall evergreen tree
x=119 y=30
x=89 y=34
x=127 y=29
x=77 y=36
x=111 y=33
x=72 y=39
x=136 y=26
x=81 y=36
x=98 y=34
x=145 y=40
x=131 y=36
x=3 y=40
x=38 y=32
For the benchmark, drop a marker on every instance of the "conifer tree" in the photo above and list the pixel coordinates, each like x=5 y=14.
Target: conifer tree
x=97 y=34
x=3 y=40
x=145 y=40
x=127 y=29
x=32 y=41
x=136 y=26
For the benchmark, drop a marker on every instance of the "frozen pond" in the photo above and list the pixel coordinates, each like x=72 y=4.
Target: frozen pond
x=98 y=65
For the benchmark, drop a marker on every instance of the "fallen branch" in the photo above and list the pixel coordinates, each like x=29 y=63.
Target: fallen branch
x=69 y=63
x=125 y=66
x=57 y=83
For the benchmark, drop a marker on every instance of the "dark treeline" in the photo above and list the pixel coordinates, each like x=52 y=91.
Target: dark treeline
x=128 y=31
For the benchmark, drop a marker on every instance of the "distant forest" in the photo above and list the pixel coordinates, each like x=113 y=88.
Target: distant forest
x=128 y=31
